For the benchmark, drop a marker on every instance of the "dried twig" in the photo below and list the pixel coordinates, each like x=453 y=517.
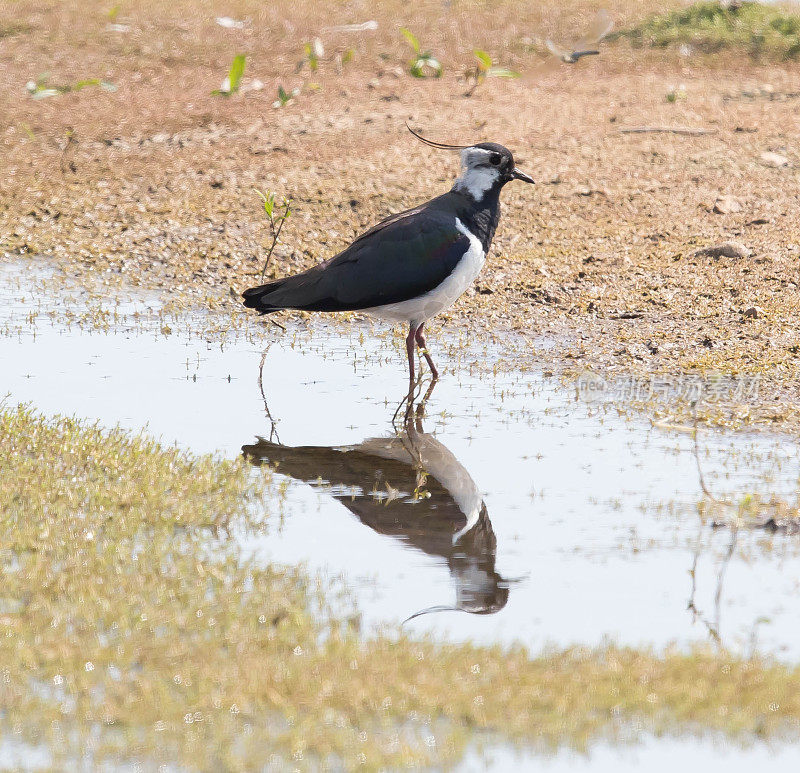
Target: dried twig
x=67 y=164
x=688 y=130
x=273 y=432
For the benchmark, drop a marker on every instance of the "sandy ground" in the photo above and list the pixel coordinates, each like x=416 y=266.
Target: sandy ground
x=155 y=181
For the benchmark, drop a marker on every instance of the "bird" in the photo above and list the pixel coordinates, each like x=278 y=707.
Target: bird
x=414 y=264
x=568 y=57
x=410 y=487
x=601 y=26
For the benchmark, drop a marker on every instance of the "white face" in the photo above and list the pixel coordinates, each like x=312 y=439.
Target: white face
x=477 y=174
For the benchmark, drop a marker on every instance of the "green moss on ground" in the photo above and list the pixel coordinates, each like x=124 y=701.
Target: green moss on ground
x=132 y=630
x=7 y=30
x=760 y=29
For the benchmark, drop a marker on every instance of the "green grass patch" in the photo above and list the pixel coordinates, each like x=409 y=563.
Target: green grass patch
x=131 y=631
x=758 y=29
x=9 y=30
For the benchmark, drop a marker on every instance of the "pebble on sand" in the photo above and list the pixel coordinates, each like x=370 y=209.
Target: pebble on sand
x=775 y=160
x=725 y=250
x=726 y=204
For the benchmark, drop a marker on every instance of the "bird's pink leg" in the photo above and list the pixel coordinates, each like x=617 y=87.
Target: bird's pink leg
x=424 y=349
x=410 y=343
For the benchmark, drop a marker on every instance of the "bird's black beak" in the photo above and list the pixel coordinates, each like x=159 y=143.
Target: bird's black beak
x=518 y=174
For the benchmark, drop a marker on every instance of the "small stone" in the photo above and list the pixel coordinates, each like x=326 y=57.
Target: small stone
x=725 y=250
x=775 y=160
x=754 y=312
x=230 y=24
x=587 y=190
x=395 y=72
x=724 y=205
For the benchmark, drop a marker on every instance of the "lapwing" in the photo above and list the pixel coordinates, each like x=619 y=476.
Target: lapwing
x=412 y=488
x=601 y=27
x=414 y=264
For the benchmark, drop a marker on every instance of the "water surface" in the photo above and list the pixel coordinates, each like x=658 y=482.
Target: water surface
x=507 y=509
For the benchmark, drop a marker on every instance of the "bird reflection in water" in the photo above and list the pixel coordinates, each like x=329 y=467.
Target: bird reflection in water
x=411 y=487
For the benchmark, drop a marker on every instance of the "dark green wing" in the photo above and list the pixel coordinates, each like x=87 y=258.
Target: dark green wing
x=401 y=258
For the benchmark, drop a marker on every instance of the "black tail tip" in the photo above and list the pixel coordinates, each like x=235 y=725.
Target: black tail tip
x=253 y=298
x=250 y=298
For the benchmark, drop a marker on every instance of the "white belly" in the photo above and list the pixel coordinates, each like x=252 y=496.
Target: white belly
x=418 y=310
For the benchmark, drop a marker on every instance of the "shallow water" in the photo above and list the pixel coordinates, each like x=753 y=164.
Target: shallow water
x=543 y=519
x=580 y=525
x=654 y=755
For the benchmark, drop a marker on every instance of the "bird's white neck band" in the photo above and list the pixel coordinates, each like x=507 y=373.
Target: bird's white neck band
x=476 y=177
x=476 y=181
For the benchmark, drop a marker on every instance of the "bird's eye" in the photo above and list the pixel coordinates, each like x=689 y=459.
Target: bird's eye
x=495 y=159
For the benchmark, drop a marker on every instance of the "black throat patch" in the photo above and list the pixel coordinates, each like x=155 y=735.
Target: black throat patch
x=479 y=217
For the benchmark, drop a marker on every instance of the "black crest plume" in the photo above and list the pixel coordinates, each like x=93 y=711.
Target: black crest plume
x=439 y=145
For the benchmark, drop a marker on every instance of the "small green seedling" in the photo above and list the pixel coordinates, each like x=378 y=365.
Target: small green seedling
x=114 y=12
x=233 y=79
x=277 y=217
x=314 y=51
x=343 y=58
x=423 y=64
x=674 y=93
x=39 y=89
x=285 y=97
x=484 y=68
x=104 y=85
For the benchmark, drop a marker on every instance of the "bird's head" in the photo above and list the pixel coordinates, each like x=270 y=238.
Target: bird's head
x=485 y=167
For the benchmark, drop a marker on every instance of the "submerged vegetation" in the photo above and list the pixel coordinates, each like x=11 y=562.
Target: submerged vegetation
x=134 y=631
x=761 y=29
x=771 y=513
